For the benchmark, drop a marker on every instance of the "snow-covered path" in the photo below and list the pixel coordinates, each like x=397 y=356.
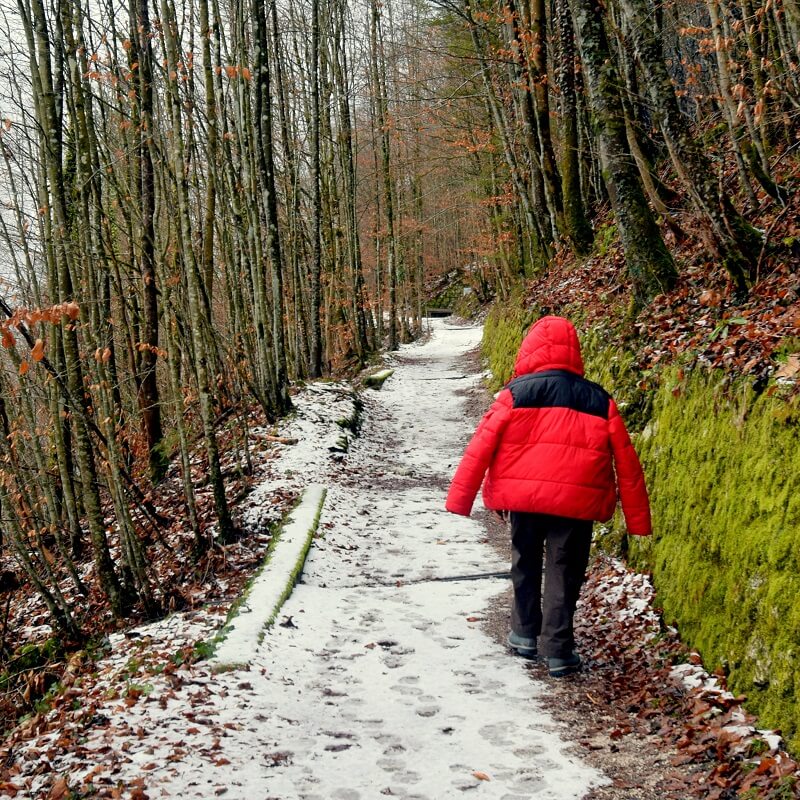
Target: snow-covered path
x=378 y=680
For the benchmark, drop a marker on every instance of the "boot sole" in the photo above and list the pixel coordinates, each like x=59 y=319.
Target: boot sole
x=562 y=672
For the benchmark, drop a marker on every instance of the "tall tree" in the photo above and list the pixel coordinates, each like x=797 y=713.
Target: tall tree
x=648 y=261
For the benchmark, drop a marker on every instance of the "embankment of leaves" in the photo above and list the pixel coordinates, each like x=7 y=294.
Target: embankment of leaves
x=650 y=683
x=701 y=320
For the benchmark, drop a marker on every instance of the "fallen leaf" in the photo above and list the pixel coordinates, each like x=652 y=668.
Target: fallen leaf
x=767 y=763
x=790 y=369
x=59 y=789
x=481 y=776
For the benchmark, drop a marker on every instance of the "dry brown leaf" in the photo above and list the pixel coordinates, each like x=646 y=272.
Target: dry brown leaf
x=37 y=353
x=59 y=789
x=791 y=368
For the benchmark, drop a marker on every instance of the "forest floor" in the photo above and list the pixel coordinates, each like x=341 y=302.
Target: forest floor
x=387 y=673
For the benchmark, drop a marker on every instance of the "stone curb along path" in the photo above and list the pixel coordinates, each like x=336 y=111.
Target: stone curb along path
x=262 y=601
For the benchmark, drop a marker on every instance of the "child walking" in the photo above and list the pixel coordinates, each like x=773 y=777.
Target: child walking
x=556 y=455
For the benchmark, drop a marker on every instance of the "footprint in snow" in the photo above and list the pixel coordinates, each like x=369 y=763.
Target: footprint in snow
x=406 y=690
x=391 y=764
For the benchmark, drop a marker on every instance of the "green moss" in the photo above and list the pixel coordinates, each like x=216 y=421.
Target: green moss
x=604 y=238
x=504 y=329
x=723 y=470
x=377 y=379
x=449 y=291
x=612 y=364
x=351 y=426
x=209 y=648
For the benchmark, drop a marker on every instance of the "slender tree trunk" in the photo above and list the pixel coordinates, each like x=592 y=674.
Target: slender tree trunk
x=149 y=401
x=648 y=261
x=381 y=100
x=315 y=364
x=576 y=224
x=727 y=234
x=539 y=247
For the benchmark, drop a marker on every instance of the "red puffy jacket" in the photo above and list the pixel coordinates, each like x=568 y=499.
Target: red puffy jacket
x=552 y=440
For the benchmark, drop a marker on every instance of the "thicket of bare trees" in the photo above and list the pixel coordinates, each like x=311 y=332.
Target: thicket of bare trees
x=589 y=102
x=204 y=200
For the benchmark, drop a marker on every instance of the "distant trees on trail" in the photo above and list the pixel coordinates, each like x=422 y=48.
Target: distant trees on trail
x=203 y=201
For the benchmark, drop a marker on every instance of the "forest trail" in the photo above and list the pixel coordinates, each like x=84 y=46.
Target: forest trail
x=378 y=679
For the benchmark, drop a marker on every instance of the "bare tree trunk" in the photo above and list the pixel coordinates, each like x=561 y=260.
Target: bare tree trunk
x=315 y=363
x=648 y=261
x=576 y=224
x=727 y=234
x=149 y=401
x=381 y=100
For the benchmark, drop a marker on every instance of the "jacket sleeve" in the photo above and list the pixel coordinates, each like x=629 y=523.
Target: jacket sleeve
x=630 y=478
x=478 y=456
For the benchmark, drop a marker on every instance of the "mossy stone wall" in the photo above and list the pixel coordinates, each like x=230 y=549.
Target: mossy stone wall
x=723 y=468
x=723 y=471
x=503 y=332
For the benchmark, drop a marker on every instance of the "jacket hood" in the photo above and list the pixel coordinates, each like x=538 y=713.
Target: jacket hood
x=551 y=343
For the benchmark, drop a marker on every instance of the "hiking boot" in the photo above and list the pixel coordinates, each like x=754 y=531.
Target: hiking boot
x=524 y=645
x=559 y=667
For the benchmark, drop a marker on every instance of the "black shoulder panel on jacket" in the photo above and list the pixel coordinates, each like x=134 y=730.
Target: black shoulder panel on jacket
x=559 y=389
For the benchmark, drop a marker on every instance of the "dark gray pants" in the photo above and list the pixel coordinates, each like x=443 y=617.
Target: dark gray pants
x=566 y=544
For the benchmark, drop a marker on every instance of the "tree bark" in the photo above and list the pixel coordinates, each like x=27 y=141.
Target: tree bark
x=726 y=233
x=648 y=261
x=576 y=224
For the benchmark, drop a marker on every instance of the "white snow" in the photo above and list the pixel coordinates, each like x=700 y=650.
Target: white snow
x=377 y=679
x=693 y=676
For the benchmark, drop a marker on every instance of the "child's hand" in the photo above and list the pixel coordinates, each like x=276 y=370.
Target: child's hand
x=501 y=515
